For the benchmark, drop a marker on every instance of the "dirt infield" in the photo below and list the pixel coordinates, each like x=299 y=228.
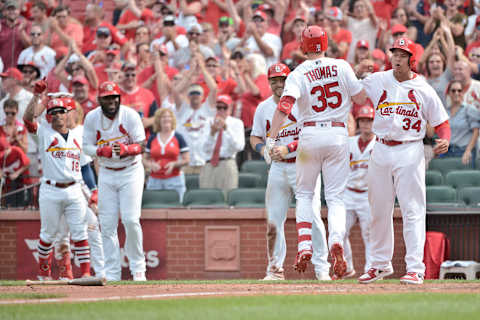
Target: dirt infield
x=169 y=291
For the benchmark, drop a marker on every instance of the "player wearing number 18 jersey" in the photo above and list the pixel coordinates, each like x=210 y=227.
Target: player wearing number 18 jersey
x=322 y=88
x=404 y=103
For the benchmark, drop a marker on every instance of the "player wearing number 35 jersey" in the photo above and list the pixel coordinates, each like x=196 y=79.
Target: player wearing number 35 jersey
x=404 y=103
x=322 y=88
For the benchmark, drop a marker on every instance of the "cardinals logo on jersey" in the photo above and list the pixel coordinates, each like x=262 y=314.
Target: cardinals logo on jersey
x=53 y=144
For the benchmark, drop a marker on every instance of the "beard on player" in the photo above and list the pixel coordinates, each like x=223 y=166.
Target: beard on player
x=110 y=105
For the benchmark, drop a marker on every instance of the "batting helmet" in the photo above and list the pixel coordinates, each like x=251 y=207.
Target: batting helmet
x=314 y=39
x=278 y=70
x=69 y=103
x=365 y=112
x=53 y=104
x=108 y=88
x=407 y=45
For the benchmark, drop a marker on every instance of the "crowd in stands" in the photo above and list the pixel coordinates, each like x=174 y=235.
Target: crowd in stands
x=191 y=68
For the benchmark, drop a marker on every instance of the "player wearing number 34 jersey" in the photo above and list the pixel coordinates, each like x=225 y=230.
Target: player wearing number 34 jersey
x=322 y=88
x=404 y=103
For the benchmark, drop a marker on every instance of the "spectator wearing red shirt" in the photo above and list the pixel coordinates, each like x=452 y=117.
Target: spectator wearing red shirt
x=13 y=38
x=342 y=37
x=94 y=16
x=136 y=97
x=14 y=168
x=148 y=77
x=165 y=154
x=13 y=130
x=111 y=61
x=80 y=94
x=135 y=15
x=292 y=49
x=224 y=86
x=63 y=29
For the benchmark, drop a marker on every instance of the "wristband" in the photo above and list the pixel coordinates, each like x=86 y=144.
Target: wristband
x=259 y=146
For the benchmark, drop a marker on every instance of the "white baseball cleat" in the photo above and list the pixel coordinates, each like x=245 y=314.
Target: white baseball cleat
x=323 y=276
x=274 y=276
x=44 y=278
x=349 y=273
x=139 y=276
x=374 y=275
x=412 y=278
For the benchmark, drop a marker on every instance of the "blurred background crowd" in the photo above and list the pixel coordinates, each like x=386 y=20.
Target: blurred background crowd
x=191 y=67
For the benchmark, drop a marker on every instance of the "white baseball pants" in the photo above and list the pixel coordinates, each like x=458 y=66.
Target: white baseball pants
x=397 y=170
x=120 y=195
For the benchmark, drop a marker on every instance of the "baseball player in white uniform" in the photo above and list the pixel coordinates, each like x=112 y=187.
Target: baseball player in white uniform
x=114 y=133
x=404 y=103
x=60 y=191
x=281 y=182
x=322 y=88
x=356 y=195
x=90 y=193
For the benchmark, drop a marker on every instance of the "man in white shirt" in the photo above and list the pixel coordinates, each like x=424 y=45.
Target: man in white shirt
x=42 y=55
x=260 y=41
x=226 y=138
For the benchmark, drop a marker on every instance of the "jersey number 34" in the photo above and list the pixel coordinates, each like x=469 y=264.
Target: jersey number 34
x=325 y=92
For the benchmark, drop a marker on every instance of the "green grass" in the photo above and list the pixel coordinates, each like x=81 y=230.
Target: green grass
x=21 y=295
x=423 y=306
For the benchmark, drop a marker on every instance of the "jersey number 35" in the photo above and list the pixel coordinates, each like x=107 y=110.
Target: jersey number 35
x=325 y=92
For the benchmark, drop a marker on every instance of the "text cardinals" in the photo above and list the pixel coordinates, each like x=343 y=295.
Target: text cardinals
x=400 y=111
x=68 y=154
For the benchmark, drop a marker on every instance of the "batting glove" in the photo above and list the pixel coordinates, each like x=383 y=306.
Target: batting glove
x=93 y=197
x=105 y=152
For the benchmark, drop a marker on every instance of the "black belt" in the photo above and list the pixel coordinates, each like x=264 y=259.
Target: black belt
x=220 y=159
x=60 y=184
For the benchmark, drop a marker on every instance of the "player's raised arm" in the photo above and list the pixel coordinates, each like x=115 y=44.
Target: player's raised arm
x=31 y=111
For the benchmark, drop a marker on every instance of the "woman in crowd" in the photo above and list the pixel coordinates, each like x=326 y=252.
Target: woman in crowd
x=464 y=123
x=165 y=154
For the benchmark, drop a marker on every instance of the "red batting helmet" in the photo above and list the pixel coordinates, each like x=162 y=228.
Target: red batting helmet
x=278 y=70
x=56 y=103
x=69 y=103
x=314 y=39
x=407 y=45
x=108 y=88
x=366 y=112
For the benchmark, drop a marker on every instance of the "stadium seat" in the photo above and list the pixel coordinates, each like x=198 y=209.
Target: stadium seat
x=155 y=199
x=247 y=197
x=259 y=167
x=463 y=178
x=192 y=181
x=441 y=194
x=248 y=180
x=204 y=198
x=470 y=195
x=445 y=165
x=433 y=178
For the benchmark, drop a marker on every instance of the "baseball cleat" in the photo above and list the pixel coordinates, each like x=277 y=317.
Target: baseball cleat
x=339 y=264
x=412 y=278
x=139 y=276
x=274 y=276
x=303 y=257
x=349 y=274
x=374 y=275
x=44 y=278
x=323 y=276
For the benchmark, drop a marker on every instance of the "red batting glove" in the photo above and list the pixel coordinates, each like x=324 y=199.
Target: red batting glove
x=93 y=197
x=39 y=87
x=130 y=149
x=105 y=152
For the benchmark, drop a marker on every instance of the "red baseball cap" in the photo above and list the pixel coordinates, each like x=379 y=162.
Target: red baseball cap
x=363 y=44
x=80 y=79
x=12 y=73
x=225 y=99
x=399 y=28
x=261 y=14
x=335 y=13
x=378 y=54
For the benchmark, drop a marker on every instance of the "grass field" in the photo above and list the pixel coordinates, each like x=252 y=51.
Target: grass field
x=409 y=305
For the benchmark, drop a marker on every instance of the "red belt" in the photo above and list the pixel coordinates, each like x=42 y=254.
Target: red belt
x=121 y=168
x=392 y=143
x=291 y=160
x=332 y=123
x=59 y=184
x=357 y=190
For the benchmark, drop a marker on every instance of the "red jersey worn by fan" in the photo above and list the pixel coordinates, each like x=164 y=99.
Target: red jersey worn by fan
x=128 y=16
x=89 y=36
x=164 y=153
x=148 y=72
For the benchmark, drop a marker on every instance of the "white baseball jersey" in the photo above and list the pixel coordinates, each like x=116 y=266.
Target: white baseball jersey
x=357 y=177
x=44 y=59
x=60 y=159
x=84 y=158
x=126 y=128
x=262 y=123
x=402 y=109
x=323 y=88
